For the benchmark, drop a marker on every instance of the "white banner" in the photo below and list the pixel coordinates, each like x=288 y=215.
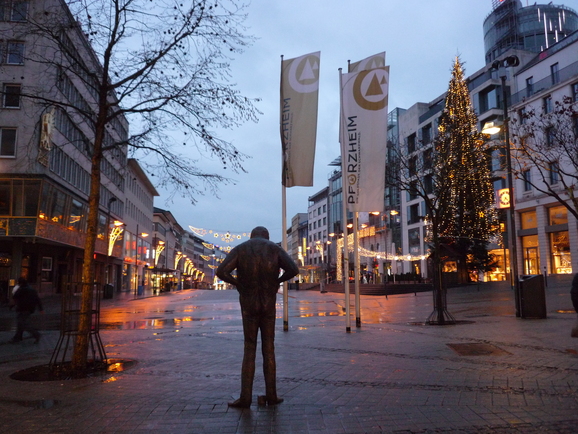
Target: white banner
x=371 y=62
x=364 y=138
x=299 y=100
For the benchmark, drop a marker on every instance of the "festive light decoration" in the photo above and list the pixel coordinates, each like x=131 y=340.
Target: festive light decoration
x=114 y=234
x=227 y=236
x=462 y=166
x=158 y=250
x=362 y=252
x=178 y=257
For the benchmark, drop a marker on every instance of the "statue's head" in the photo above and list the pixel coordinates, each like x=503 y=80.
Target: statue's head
x=260 y=232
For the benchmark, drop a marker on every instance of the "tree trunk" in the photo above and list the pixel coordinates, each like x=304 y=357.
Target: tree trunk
x=81 y=346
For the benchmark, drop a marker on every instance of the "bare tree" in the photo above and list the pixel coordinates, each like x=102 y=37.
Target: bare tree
x=163 y=67
x=546 y=145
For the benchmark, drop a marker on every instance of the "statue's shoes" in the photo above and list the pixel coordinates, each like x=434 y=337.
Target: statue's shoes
x=240 y=404
x=262 y=400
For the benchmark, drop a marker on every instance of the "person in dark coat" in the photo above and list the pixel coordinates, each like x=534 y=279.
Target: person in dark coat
x=574 y=297
x=26 y=300
x=258 y=262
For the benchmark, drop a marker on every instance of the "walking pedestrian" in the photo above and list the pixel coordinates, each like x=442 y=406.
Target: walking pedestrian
x=258 y=262
x=574 y=296
x=26 y=300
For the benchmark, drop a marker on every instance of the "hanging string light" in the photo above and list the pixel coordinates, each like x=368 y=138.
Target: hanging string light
x=362 y=252
x=227 y=237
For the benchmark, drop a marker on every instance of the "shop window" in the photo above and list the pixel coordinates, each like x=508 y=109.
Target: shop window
x=46 y=269
x=56 y=207
x=557 y=215
x=560 y=249
x=528 y=220
x=531 y=254
x=76 y=219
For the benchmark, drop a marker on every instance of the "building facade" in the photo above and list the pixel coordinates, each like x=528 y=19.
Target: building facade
x=45 y=158
x=317 y=252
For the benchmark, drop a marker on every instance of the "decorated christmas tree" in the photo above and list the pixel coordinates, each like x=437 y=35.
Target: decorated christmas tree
x=467 y=220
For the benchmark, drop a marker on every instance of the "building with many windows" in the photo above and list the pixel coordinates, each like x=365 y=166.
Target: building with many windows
x=45 y=154
x=316 y=255
x=547 y=233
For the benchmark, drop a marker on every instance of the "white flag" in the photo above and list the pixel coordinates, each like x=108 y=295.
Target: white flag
x=371 y=62
x=299 y=100
x=364 y=138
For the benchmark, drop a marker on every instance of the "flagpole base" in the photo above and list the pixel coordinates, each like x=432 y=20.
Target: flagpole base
x=285 y=326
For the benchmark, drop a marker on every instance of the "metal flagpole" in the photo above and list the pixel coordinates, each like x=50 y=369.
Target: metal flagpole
x=356 y=268
x=284 y=226
x=286 y=283
x=344 y=220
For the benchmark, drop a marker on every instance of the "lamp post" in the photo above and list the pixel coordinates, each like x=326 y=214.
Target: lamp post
x=498 y=65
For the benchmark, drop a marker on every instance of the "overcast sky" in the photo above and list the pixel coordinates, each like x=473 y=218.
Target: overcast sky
x=420 y=38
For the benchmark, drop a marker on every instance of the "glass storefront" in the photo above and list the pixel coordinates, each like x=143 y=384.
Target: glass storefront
x=559 y=241
x=531 y=254
x=560 y=248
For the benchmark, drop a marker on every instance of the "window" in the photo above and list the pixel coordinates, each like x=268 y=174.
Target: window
x=575 y=92
x=529 y=219
x=412 y=166
x=411 y=143
x=19 y=11
x=557 y=215
x=522 y=115
x=547 y=104
x=7 y=142
x=529 y=86
x=428 y=184
x=413 y=214
x=554 y=169
x=555 y=73
x=426 y=134
x=428 y=159
x=11 y=96
x=15 y=53
x=550 y=134
x=13 y=10
x=527 y=177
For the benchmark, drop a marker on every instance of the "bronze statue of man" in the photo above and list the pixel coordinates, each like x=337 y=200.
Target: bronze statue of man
x=258 y=262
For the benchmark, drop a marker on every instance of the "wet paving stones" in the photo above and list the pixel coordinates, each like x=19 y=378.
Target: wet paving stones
x=494 y=373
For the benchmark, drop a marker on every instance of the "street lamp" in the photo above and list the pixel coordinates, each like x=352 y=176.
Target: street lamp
x=491 y=128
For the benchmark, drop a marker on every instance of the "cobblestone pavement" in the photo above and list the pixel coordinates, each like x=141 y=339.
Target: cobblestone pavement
x=490 y=373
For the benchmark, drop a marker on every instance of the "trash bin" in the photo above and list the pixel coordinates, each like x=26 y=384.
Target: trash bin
x=140 y=290
x=107 y=291
x=532 y=297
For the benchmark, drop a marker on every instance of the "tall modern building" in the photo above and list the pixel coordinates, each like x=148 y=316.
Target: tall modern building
x=531 y=28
